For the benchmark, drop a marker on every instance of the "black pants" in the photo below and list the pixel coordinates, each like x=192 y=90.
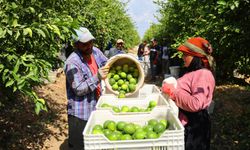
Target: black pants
x=197 y=131
x=76 y=127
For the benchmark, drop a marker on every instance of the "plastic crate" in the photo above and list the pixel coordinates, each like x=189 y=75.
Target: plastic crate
x=145 y=90
x=130 y=102
x=171 y=139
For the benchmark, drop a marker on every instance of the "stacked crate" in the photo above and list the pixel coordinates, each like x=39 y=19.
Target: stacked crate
x=170 y=139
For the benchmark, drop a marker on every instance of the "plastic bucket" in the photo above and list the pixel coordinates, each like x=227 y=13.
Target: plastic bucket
x=131 y=60
x=175 y=71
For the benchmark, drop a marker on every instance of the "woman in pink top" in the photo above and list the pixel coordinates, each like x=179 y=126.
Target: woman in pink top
x=194 y=92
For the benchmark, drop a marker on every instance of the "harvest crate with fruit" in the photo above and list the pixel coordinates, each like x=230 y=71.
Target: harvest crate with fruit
x=132 y=105
x=160 y=129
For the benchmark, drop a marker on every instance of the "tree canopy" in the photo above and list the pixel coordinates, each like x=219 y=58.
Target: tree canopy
x=32 y=33
x=225 y=24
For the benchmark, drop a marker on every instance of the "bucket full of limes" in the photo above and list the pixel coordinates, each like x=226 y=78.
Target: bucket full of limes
x=125 y=76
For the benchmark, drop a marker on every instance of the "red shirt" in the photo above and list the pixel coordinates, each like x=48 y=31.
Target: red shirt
x=94 y=69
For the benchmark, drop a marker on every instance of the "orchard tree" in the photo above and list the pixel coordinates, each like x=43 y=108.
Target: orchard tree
x=224 y=23
x=32 y=33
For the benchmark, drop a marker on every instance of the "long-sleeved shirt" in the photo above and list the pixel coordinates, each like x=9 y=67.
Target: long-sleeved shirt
x=194 y=91
x=81 y=84
x=114 y=51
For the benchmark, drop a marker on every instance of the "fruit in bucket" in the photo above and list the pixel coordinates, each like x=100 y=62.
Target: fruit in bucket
x=123 y=77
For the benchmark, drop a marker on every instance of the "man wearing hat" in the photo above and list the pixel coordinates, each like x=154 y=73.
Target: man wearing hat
x=194 y=92
x=84 y=70
x=118 y=49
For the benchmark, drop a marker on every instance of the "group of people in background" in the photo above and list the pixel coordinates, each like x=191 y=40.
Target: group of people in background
x=86 y=66
x=156 y=56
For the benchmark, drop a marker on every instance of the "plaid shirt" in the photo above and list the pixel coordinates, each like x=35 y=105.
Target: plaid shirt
x=81 y=84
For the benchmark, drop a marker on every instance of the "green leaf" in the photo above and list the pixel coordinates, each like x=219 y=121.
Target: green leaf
x=9 y=83
x=16 y=67
x=40 y=32
x=40 y=15
x=27 y=31
x=41 y=100
x=13 y=5
x=14 y=23
x=14 y=89
x=17 y=35
x=21 y=84
x=38 y=108
x=56 y=29
x=2 y=33
x=10 y=32
x=32 y=10
x=221 y=2
x=1 y=67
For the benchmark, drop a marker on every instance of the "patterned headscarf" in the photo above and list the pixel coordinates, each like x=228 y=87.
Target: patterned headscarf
x=199 y=47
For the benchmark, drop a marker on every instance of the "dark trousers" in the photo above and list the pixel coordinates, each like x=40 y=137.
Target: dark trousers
x=153 y=70
x=76 y=127
x=197 y=131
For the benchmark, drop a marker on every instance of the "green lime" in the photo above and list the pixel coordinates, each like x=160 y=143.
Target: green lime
x=148 y=128
x=97 y=127
x=120 y=82
x=131 y=68
x=121 y=95
x=134 y=109
x=111 y=125
x=112 y=71
x=116 y=109
x=132 y=87
x=112 y=81
x=115 y=87
x=139 y=135
x=96 y=131
x=132 y=81
x=159 y=127
x=129 y=128
x=105 y=124
x=116 y=77
x=112 y=136
x=152 y=122
x=124 y=109
x=125 y=68
x=151 y=135
x=152 y=104
x=136 y=74
x=118 y=68
x=105 y=105
x=124 y=87
x=123 y=75
x=129 y=76
x=120 y=125
x=165 y=122
x=106 y=132
x=126 y=137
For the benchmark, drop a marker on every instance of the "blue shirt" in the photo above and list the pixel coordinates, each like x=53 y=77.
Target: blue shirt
x=81 y=84
x=114 y=51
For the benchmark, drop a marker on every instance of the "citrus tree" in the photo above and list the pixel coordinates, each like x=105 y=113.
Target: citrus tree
x=32 y=33
x=223 y=23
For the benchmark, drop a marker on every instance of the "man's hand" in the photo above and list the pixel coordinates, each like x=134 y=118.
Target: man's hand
x=103 y=72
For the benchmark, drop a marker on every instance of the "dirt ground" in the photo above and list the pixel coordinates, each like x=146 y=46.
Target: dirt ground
x=22 y=129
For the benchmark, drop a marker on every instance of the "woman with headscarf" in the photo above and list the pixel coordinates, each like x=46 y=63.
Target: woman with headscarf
x=194 y=92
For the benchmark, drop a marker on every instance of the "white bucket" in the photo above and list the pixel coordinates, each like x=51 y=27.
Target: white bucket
x=167 y=75
x=174 y=71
